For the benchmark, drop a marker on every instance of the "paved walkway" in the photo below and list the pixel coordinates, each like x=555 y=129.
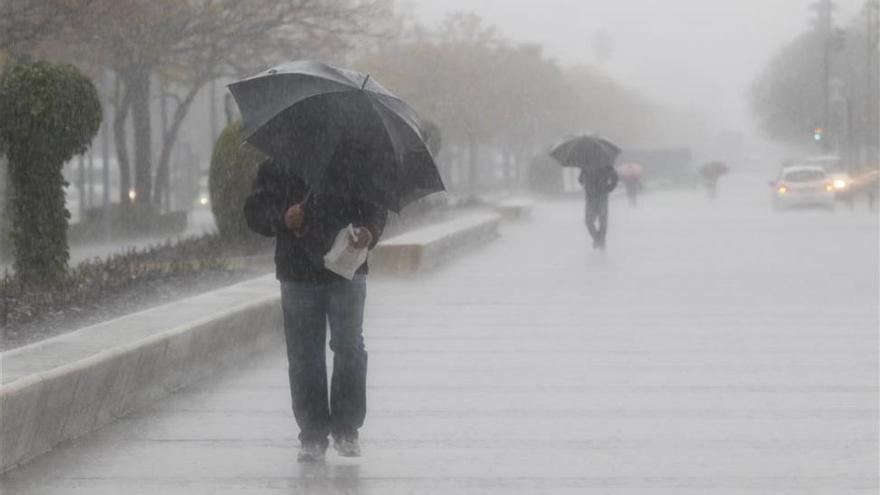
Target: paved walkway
x=710 y=350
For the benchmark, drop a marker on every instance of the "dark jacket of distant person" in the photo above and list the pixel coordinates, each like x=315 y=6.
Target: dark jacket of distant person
x=300 y=258
x=598 y=182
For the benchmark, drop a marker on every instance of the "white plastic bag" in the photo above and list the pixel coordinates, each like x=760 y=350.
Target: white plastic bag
x=343 y=259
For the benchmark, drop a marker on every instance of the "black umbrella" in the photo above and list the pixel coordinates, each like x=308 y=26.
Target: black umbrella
x=340 y=131
x=585 y=152
x=714 y=170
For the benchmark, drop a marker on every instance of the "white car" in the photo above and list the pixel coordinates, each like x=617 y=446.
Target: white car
x=836 y=171
x=803 y=186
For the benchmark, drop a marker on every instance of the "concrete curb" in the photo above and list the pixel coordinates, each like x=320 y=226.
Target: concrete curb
x=67 y=386
x=428 y=247
x=515 y=208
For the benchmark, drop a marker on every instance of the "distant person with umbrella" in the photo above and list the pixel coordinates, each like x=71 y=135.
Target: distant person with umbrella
x=711 y=173
x=631 y=175
x=343 y=151
x=595 y=157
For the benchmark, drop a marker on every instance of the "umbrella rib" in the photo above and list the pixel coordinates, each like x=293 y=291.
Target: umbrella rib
x=379 y=97
x=300 y=102
x=389 y=140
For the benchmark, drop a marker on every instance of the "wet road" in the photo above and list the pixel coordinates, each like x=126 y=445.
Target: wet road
x=722 y=349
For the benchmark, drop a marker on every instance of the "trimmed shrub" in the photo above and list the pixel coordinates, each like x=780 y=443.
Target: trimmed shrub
x=433 y=137
x=233 y=170
x=105 y=283
x=49 y=114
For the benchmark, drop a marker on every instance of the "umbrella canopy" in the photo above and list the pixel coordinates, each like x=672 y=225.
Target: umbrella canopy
x=340 y=131
x=630 y=170
x=714 y=169
x=585 y=152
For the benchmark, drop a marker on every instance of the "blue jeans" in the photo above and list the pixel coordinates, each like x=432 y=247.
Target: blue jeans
x=597 y=218
x=308 y=307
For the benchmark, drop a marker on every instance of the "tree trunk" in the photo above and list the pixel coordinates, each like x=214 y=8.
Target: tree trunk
x=120 y=139
x=212 y=115
x=169 y=139
x=105 y=158
x=81 y=186
x=39 y=219
x=473 y=166
x=6 y=202
x=160 y=182
x=138 y=84
x=507 y=160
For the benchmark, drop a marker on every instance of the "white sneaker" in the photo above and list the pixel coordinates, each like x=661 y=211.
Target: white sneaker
x=347 y=447
x=310 y=453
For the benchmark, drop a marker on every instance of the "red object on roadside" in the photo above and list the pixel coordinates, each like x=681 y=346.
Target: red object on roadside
x=630 y=170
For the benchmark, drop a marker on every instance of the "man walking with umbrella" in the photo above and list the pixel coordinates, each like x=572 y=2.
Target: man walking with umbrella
x=711 y=173
x=304 y=225
x=598 y=183
x=595 y=157
x=343 y=152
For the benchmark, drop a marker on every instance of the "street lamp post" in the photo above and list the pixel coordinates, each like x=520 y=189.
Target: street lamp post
x=872 y=91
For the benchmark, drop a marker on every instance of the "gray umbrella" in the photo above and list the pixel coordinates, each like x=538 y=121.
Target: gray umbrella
x=585 y=151
x=340 y=131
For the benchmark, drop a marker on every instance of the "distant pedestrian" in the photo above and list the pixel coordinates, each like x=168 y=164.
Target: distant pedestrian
x=631 y=176
x=710 y=174
x=595 y=157
x=633 y=186
x=598 y=182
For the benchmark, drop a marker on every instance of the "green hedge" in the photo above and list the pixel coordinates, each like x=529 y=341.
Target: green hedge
x=49 y=114
x=97 y=283
x=233 y=170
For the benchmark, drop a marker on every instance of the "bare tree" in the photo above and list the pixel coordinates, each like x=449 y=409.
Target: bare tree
x=231 y=38
x=27 y=22
x=188 y=43
x=488 y=93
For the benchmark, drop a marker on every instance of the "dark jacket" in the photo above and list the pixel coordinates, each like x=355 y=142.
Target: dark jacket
x=598 y=182
x=301 y=258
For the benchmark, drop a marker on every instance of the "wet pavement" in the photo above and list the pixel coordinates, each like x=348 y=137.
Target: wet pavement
x=711 y=349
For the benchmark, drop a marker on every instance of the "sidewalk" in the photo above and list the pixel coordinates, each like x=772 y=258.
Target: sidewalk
x=538 y=366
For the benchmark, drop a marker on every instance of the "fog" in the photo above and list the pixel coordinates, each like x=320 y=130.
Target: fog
x=698 y=54
x=589 y=246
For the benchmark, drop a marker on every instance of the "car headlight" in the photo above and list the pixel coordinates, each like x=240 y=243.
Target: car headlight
x=203 y=201
x=782 y=190
x=839 y=184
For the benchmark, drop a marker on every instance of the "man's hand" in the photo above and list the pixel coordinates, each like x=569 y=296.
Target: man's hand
x=362 y=238
x=294 y=217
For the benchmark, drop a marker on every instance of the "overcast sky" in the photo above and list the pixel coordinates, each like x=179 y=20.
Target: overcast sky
x=700 y=53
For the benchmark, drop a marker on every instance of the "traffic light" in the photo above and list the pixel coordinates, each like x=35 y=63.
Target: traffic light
x=818 y=134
